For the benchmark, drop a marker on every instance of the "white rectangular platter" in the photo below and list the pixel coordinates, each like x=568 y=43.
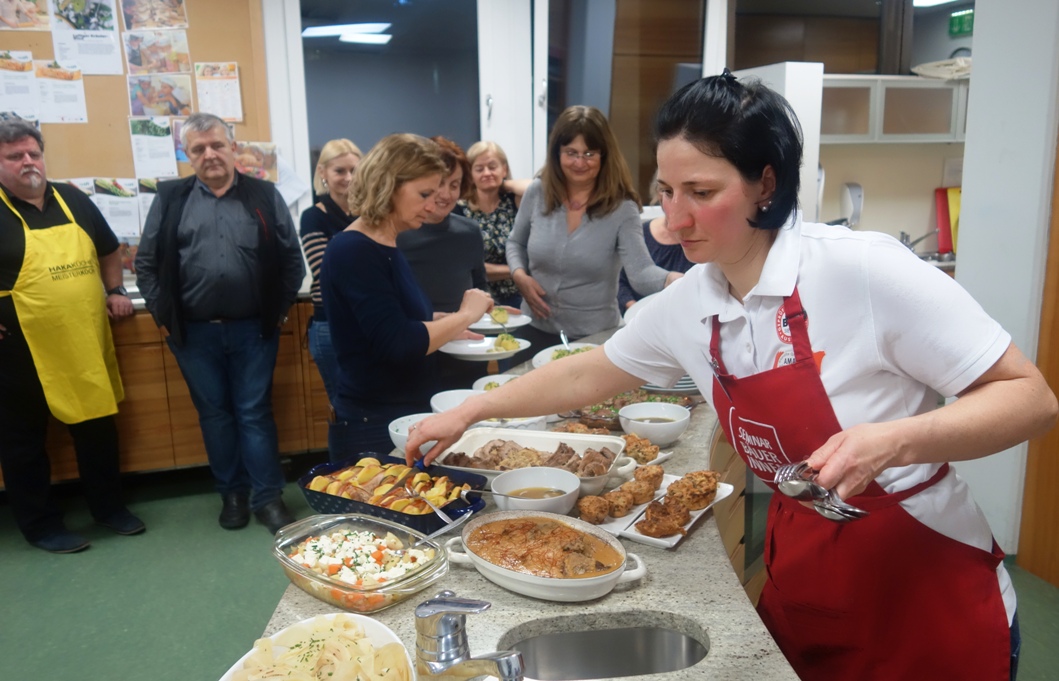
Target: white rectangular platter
x=545 y=441
x=626 y=526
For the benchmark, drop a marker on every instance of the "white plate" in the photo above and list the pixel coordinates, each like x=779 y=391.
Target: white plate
x=723 y=491
x=487 y=325
x=685 y=386
x=379 y=635
x=545 y=355
x=495 y=378
x=478 y=350
x=637 y=307
x=662 y=456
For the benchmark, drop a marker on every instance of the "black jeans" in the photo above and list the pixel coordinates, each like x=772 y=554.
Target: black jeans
x=24 y=418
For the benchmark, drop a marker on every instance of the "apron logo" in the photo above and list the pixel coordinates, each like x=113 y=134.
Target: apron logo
x=784 y=358
x=759 y=443
x=78 y=268
x=782 y=330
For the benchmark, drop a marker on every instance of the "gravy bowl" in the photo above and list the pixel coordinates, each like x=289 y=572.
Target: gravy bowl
x=537 y=476
x=569 y=590
x=672 y=421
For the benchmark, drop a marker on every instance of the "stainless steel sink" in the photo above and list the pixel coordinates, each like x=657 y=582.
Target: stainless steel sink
x=614 y=645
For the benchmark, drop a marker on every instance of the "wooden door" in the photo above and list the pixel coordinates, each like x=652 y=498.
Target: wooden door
x=1039 y=535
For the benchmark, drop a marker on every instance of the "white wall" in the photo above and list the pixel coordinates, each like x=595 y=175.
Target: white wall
x=898 y=181
x=1009 y=162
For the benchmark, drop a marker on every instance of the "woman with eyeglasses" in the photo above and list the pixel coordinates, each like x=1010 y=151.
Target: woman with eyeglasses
x=577 y=226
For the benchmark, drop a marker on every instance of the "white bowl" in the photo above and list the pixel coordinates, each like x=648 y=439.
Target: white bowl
x=547 y=588
x=450 y=399
x=399 y=432
x=537 y=476
x=494 y=378
x=661 y=434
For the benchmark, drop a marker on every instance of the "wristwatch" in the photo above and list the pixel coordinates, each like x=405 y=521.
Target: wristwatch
x=118 y=291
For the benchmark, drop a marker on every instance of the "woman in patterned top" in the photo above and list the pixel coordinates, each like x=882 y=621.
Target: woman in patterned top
x=493 y=206
x=334 y=172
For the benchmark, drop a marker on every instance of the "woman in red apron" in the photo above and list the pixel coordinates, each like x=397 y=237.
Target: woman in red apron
x=814 y=343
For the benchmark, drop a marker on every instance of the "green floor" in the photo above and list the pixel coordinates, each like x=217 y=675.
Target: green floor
x=185 y=600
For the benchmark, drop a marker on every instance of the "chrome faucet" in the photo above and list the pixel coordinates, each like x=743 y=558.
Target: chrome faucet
x=442 y=650
x=908 y=241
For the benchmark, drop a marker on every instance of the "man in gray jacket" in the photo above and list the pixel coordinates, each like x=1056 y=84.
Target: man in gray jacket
x=219 y=265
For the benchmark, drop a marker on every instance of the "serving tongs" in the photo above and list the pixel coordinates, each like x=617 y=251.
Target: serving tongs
x=798 y=481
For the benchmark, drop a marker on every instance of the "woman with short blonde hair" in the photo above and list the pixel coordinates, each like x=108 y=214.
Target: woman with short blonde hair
x=319 y=223
x=382 y=323
x=493 y=205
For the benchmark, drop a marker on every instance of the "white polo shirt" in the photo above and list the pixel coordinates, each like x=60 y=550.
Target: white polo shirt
x=892 y=336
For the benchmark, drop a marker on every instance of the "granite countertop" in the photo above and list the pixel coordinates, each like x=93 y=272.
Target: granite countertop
x=691 y=588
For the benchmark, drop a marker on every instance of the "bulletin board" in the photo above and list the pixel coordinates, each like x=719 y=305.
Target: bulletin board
x=218 y=31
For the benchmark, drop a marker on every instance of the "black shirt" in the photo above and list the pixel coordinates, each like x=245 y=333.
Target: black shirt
x=13 y=238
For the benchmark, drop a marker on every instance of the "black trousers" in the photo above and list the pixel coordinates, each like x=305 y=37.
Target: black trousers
x=24 y=417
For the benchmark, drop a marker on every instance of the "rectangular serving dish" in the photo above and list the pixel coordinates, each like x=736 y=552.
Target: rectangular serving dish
x=342 y=594
x=474 y=438
x=321 y=502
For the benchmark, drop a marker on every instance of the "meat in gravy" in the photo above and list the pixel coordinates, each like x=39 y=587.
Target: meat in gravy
x=543 y=547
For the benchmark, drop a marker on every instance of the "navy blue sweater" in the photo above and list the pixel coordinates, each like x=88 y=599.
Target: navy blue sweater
x=376 y=312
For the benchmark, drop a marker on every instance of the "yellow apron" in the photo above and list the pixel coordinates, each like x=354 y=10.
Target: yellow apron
x=61 y=308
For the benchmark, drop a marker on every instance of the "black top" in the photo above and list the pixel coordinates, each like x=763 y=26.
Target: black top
x=447 y=258
x=319 y=223
x=13 y=238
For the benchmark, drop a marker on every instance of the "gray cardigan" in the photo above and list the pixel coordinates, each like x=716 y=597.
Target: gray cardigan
x=579 y=270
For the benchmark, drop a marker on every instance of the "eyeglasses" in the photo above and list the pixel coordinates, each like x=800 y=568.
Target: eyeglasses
x=588 y=156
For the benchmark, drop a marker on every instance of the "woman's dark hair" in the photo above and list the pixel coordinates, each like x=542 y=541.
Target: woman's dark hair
x=748 y=125
x=453 y=156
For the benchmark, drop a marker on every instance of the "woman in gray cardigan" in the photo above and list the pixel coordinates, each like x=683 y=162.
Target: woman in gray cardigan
x=577 y=226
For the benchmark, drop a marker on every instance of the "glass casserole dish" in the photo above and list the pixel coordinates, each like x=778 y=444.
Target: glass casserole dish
x=362 y=586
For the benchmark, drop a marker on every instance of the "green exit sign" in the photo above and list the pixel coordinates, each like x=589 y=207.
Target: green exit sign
x=961 y=23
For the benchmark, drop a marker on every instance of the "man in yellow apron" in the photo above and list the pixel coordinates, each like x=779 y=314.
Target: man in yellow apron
x=56 y=353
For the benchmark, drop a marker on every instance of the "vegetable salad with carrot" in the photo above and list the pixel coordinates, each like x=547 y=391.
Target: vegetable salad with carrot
x=362 y=559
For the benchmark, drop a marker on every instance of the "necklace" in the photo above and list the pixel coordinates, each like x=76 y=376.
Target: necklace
x=575 y=205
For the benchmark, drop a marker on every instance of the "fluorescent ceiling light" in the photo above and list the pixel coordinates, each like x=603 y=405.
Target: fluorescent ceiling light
x=930 y=3
x=342 y=29
x=366 y=38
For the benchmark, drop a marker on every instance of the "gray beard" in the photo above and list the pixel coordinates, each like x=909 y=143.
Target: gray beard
x=35 y=180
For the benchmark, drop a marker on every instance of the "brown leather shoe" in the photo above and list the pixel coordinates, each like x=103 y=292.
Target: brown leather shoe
x=235 y=513
x=274 y=515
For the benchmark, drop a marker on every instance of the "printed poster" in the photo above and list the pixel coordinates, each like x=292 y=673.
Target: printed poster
x=85 y=184
x=85 y=32
x=116 y=200
x=60 y=92
x=257 y=159
x=24 y=15
x=152 y=147
x=146 y=190
x=217 y=84
x=178 y=146
x=154 y=14
x=157 y=52
x=151 y=95
x=18 y=85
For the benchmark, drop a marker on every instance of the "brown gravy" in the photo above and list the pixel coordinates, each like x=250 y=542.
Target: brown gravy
x=543 y=547
x=537 y=493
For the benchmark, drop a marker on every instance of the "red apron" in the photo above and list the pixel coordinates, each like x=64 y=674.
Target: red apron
x=884 y=597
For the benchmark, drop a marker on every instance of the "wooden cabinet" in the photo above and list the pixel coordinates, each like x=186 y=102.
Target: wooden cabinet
x=158 y=426
x=892 y=109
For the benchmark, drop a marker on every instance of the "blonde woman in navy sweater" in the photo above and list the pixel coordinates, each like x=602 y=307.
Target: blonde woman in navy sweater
x=382 y=324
